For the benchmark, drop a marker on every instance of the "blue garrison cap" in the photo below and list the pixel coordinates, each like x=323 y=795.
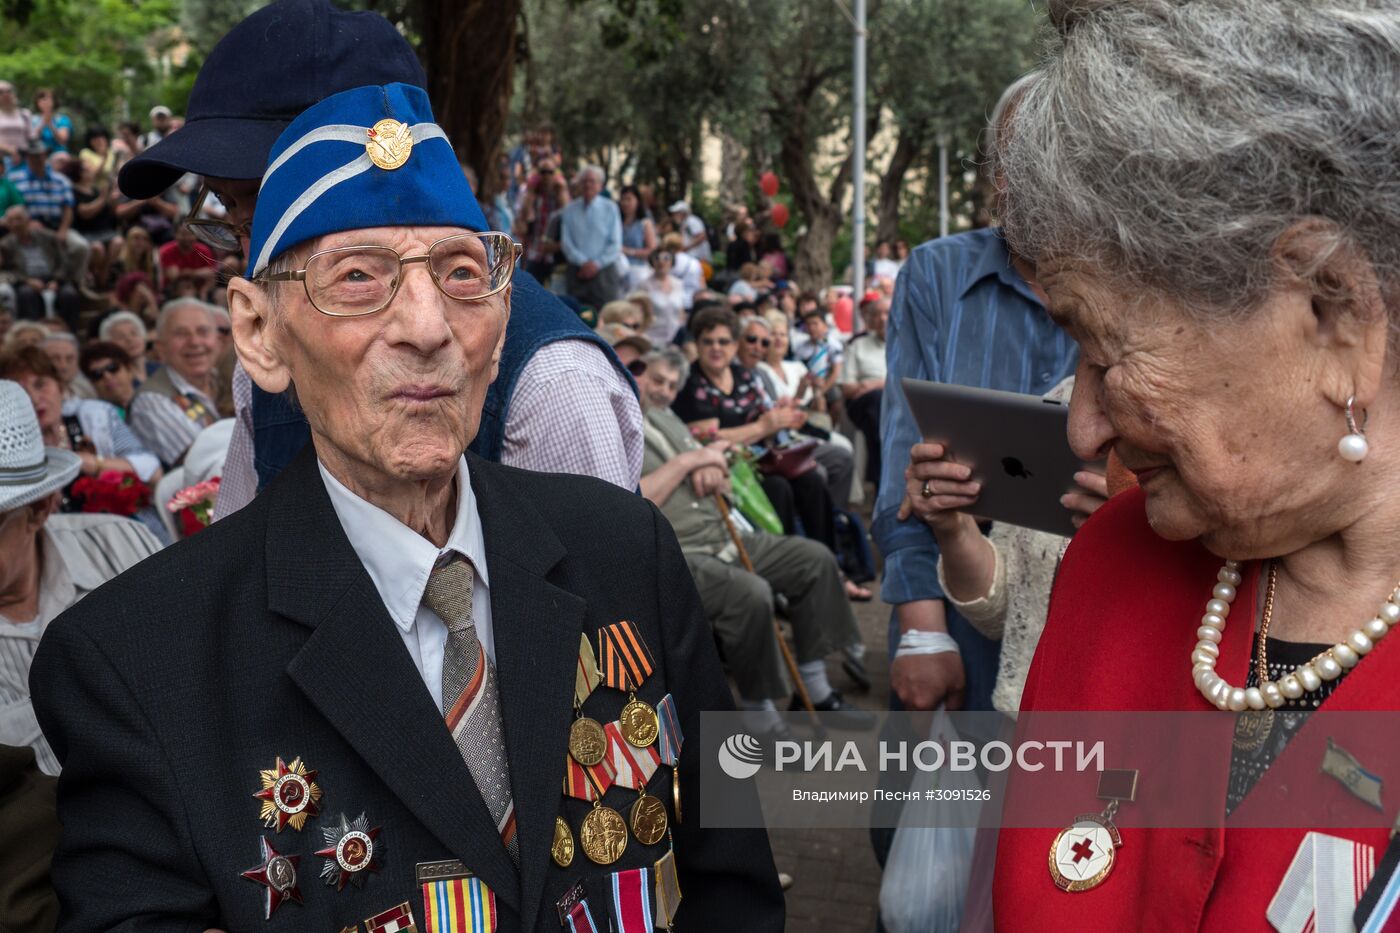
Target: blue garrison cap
x=367 y=157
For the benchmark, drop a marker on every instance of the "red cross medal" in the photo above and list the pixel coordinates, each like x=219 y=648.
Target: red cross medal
x=1082 y=854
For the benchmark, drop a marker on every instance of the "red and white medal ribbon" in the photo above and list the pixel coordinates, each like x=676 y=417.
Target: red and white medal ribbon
x=580 y=920
x=630 y=766
x=631 y=900
x=1322 y=886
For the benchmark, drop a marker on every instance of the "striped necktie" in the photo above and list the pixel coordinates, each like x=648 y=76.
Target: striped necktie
x=470 y=699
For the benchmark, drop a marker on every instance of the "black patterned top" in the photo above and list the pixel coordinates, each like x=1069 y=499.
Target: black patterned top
x=1247 y=765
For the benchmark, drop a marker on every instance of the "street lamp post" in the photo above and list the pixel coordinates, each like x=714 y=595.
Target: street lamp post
x=858 y=168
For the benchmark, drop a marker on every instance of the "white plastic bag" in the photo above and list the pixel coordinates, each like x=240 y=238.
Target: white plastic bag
x=927 y=872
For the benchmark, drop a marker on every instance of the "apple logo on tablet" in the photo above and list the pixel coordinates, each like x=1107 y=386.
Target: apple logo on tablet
x=1015 y=469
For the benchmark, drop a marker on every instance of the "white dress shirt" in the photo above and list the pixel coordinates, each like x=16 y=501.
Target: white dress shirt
x=399 y=561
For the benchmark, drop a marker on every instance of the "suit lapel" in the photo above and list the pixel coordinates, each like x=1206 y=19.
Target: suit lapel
x=355 y=671
x=537 y=627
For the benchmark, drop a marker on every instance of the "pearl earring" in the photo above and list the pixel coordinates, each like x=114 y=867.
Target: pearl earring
x=1353 y=446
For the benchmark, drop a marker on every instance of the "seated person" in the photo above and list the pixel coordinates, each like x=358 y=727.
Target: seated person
x=47 y=562
x=722 y=397
x=128 y=331
x=62 y=348
x=108 y=367
x=32 y=262
x=821 y=352
x=175 y=404
x=863 y=380
x=834 y=455
x=186 y=258
x=682 y=478
x=93 y=430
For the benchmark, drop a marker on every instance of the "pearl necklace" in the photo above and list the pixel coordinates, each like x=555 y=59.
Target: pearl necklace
x=1327 y=666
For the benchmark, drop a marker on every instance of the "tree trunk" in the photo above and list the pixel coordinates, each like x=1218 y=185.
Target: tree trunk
x=469 y=51
x=906 y=149
x=731 y=171
x=812 y=261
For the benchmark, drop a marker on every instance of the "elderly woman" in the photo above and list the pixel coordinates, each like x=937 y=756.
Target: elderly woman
x=669 y=301
x=407 y=616
x=1208 y=191
x=128 y=331
x=47 y=562
x=92 y=429
x=725 y=398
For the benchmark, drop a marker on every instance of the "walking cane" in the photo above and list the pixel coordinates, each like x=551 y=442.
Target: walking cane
x=777 y=630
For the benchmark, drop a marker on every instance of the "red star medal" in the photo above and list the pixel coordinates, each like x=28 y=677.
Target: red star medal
x=289 y=795
x=352 y=851
x=279 y=874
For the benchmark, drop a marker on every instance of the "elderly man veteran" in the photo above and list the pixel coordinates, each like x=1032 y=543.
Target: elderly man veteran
x=401 y=620
x=175 y=404
x=561 y=402
x=682 y=478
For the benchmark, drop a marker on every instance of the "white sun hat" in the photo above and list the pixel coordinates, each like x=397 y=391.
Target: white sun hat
x=29 y=471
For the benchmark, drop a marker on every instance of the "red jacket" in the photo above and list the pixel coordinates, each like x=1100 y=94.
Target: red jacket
x=1121 y=629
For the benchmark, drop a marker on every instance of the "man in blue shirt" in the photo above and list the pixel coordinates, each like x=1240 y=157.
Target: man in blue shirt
x=590 y=231
x=964 y=312
x=49 y=197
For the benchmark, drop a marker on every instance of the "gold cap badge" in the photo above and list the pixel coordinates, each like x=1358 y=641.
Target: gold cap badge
x=390 y=144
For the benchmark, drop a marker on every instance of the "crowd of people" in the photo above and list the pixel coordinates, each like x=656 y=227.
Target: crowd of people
x=201 y=338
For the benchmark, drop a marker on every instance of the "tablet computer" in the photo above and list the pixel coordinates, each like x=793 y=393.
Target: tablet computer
x=1016 y=445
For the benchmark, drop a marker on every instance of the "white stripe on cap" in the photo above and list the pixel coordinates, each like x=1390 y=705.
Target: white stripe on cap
x=339 y=132
x=419 y=132
x=294 y=210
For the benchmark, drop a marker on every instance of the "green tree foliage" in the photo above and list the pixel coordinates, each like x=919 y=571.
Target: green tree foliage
x=939 y=66
x=96 y=53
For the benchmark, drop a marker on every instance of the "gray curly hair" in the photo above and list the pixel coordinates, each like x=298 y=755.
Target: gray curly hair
x=1171 y=142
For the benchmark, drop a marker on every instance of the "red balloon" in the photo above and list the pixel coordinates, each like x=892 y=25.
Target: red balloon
x=768 y=183
x=779 y=215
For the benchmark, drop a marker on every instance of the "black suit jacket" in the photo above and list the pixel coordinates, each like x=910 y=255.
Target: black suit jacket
x=165 y=692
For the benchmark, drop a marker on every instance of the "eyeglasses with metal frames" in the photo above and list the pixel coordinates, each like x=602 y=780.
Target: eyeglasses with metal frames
x=353 y=281
x=219 y=234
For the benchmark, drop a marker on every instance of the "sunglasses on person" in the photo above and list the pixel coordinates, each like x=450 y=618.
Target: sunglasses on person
x=637 y=367
x=708 y=342
x=763 y=342
x=98 y=373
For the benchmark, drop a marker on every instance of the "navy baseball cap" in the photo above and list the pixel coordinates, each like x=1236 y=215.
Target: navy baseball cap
x=268 y=69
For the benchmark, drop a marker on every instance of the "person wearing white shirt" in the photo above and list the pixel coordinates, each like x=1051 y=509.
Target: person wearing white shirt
x=669 y=300
x=696 y=241
x=863 y=379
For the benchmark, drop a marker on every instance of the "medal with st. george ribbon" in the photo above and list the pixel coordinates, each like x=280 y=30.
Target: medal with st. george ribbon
x=626 y=664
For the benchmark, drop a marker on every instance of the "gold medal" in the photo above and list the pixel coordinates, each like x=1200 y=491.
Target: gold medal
x=648 y=819
x=638 y=723
x=587 y=742
x=603 y=835
x=563 y=846
x=676 y=789
x=390 y=143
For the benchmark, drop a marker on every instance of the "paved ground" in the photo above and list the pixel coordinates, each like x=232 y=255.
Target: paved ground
x=836 y=878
